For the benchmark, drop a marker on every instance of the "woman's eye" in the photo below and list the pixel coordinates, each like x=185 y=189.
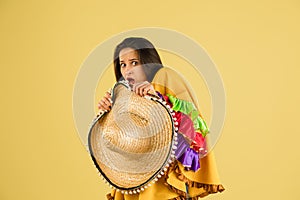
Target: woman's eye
x=122 y=65
x=134 y=63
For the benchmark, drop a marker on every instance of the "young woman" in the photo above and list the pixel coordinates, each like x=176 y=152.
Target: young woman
x=194 y=173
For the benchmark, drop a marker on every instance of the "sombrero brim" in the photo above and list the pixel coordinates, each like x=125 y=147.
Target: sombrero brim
x=134 y=143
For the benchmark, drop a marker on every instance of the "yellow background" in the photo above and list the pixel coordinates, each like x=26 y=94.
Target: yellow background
x=255 y=45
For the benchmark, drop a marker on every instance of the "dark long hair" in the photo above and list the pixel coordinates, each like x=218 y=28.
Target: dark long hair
x=148 y=56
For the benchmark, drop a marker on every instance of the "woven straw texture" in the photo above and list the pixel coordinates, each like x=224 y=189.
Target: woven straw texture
x=132 y=143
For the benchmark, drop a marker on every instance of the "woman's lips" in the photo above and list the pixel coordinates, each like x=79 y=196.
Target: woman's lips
x=130 y=81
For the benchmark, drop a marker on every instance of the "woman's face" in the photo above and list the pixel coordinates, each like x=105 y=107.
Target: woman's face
x=131 y=68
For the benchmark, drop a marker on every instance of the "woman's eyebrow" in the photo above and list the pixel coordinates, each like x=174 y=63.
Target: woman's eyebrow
x=131 y=59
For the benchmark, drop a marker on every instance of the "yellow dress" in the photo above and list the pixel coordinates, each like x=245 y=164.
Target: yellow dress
x=173 y=184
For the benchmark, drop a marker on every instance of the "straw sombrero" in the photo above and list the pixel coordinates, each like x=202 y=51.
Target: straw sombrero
x=134 y=143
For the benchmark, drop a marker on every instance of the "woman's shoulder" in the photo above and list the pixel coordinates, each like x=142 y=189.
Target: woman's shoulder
x=167 y=72
x=169 y=81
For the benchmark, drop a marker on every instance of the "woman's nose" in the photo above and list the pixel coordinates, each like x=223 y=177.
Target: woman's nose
x=128 y=70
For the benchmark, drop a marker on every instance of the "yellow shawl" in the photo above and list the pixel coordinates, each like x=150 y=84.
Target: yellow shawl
x=173 y=186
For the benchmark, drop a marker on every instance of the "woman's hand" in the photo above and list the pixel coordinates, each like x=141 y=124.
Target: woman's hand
x=143 y=88
x=105 y=103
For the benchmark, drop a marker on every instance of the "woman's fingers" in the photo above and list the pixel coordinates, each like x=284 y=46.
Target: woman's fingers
x=143 y=88
x=108 y=96
x=105 y=103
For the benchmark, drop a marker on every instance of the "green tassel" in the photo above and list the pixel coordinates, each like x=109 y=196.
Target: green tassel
x=189 y=108
x=200 y=124
x=181 y=105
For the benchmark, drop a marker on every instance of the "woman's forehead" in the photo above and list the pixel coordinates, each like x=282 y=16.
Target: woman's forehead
x=128 y=53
